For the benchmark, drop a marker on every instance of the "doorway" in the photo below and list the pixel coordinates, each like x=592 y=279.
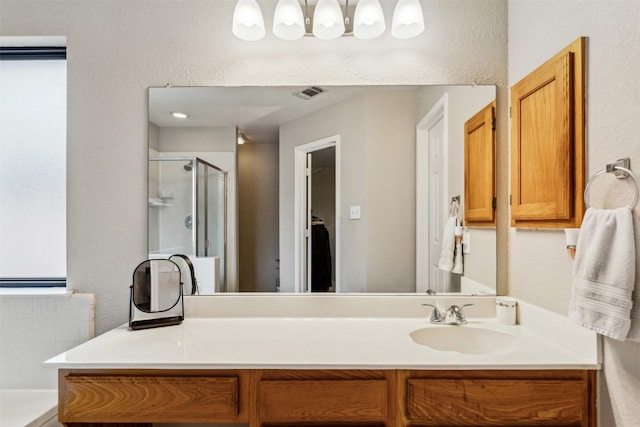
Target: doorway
x=431 y=196
x=317 y=208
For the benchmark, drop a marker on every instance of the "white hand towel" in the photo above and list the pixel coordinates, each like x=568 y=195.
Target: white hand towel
x=448 y=244
x=604 y=272
x=457 y=260
x=634 y=330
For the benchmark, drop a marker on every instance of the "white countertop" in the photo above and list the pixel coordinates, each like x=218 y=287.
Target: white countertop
x=317 y=343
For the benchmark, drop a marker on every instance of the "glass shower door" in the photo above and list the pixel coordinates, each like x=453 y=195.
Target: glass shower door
x=211 y=210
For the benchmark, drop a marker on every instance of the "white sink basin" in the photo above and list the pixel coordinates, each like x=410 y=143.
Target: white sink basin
x=466 y=339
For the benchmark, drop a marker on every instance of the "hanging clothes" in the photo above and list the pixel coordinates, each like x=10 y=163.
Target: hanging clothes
x=320 y=257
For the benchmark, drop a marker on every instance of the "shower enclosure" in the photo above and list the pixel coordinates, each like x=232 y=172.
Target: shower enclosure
x=187 y=209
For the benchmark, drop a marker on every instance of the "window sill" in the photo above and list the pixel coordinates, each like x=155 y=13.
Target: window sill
x=34 y=291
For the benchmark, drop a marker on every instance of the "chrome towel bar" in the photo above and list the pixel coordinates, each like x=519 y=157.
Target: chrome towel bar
x=622 y=170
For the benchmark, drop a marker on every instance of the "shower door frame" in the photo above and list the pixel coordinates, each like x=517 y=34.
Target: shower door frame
x=194 y=198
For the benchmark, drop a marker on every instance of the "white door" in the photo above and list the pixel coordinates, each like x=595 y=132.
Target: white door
x=437 y=278
x=303 y=212
x=431 y=194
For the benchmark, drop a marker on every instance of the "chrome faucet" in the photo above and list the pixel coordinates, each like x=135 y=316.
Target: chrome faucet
x=436 y=315
x=453 y=315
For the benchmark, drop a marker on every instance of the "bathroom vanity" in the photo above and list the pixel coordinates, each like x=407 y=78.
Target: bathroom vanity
x=353 y=369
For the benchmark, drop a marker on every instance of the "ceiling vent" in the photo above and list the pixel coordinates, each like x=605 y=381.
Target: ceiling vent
x=309 y=92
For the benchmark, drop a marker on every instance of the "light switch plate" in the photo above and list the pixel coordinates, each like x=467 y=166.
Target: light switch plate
x=354 y=212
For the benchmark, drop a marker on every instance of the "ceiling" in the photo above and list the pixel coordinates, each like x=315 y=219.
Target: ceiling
x=257 y=112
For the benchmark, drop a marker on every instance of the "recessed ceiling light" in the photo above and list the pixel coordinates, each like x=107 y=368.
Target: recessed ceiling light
x=179 y=115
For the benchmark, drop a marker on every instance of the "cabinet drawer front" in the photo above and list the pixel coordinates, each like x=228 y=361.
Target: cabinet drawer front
x=148 y=398
x=323 y=400
x=484 y=402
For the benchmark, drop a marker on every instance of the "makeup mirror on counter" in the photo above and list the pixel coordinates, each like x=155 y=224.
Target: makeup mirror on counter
x=156 y=295
x=342 y=189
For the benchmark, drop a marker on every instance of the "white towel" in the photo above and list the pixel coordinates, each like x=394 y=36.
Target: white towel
x=457 y=260
x=634 y=330
x=457 y=257
x=604 y=272
x=448 y=244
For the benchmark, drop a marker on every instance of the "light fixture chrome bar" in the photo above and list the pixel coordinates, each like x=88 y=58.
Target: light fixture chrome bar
x=348 y=13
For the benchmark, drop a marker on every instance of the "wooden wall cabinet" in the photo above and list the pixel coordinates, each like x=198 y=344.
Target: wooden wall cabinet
x=547 y=143
x=287 y=398
x=479 y=168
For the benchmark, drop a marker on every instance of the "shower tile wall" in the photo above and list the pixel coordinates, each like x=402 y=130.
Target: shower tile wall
x=34 y=328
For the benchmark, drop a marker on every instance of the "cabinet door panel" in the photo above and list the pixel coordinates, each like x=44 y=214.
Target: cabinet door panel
x=141 y=398
x=323 y=401
x=542 y=107
x=485 y=402
x=479 y=168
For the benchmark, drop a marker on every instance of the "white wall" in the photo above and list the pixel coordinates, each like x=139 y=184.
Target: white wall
x=258 y=217
x=345 y=119
x=116 y=50
x=390 y=188
x=377 y=173
x=539 y=269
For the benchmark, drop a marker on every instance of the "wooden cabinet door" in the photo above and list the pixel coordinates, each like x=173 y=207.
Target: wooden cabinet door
x=547 y=143
x=497 y=398
x=479 y=168
x=100 y=397
x=541 y=106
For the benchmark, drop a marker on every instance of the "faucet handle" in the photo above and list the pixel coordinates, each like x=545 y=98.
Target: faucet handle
x=461 y=317
x=436 y=315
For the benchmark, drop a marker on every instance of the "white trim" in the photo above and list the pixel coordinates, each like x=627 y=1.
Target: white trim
x=26 y=41
x=438 y=112
x=300 y=163
x=34 y=291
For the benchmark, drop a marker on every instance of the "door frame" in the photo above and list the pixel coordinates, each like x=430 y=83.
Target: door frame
x=440 y=111
x=300 y=209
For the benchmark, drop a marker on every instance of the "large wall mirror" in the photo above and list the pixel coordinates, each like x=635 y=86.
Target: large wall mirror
x=344 y=189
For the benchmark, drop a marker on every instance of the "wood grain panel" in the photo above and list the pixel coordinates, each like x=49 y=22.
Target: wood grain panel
x=145 y=398
x=542 y=106
x=322 y=401
x=496 y=402
x=479 y=168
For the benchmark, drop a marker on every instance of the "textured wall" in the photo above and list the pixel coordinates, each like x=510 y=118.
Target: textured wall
x=34 y=328
x=117 y=49
x=539 y=269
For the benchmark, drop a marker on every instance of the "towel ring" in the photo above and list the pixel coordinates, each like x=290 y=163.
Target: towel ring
x=611 y=168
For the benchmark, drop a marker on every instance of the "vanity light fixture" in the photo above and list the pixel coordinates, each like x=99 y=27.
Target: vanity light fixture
x=368 y=20
x=288 y=21
x=248 y=23
x=408 y=19
x=241 y=139
x=179 y=115
x=328 y=20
